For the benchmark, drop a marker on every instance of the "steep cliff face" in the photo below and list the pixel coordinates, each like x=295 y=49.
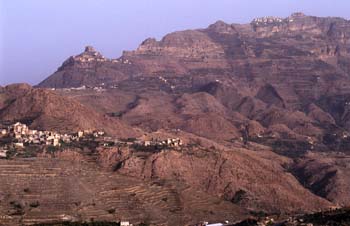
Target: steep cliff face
x=89 y=68
x=302 y=56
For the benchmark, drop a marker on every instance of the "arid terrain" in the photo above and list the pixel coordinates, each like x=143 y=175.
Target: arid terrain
x=261 y=110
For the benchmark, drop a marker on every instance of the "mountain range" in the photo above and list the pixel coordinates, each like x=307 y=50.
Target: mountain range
x=284 y=83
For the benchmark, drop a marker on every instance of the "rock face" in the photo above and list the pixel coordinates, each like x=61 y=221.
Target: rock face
x=89 y=68
x=300 y=49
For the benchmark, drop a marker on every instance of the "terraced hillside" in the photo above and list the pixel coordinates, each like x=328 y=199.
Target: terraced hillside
x=48 y=190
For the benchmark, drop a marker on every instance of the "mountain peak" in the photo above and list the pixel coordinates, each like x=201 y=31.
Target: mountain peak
x=219 y=23
x=149 y=41
x=89 y=52
x=89 y=49
x=221 y=27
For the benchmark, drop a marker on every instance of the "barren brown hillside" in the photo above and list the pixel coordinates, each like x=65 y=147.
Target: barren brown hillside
x=43 y=109
x=262 y=111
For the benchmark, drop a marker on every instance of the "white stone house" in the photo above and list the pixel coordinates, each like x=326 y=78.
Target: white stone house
x=3 y=153
x=3 y=132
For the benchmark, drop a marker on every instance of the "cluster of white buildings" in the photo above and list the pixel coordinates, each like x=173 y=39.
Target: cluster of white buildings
x=96 y=88
x=84 y=59
x=169 y=142
x=263 y=222
x=205 y=223
x=90 y=55
x=97 y=58
x=267 y=20
x=25 y=136
x=22 y=136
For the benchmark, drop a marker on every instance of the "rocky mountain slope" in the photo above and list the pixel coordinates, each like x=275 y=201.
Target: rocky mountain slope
x=80 y=191
x=263 y=110
x=45 y=110
x=326 y=175
x=287 y=77
x=253 y=180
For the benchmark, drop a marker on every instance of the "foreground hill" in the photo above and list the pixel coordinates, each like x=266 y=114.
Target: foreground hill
x=46 y=190
x=253 y=180
x=45 y=110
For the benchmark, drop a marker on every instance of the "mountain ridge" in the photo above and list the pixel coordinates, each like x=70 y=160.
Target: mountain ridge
x=239 y=35
x=263 y=110
x=283 y=74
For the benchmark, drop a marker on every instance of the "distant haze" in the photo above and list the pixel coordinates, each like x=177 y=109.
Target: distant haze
x=36 y=36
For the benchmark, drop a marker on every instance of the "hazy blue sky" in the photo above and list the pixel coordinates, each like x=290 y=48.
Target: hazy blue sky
x=36 y=36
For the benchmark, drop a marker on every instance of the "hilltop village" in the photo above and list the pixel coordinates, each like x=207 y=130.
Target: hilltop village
x=18 y=136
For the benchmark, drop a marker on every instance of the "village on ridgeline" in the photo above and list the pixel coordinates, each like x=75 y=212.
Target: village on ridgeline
x=19 y=136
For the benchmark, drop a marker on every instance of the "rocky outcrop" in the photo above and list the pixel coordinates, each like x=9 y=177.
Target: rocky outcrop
x=89 y=68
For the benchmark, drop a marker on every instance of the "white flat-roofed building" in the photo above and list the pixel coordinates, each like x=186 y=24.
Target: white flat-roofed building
x=3 y=132
x=3 y=153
